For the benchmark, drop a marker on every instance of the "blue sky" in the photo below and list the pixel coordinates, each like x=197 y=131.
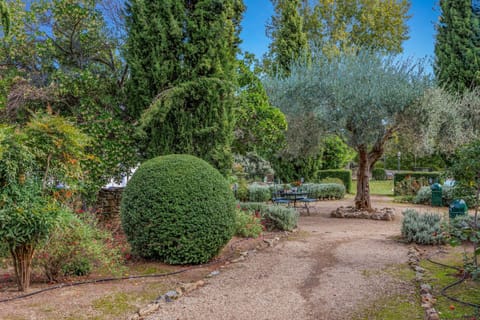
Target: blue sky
x=422 y=30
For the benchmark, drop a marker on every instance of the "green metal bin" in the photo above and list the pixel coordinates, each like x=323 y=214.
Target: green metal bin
x=436 y=195
x=457 y=208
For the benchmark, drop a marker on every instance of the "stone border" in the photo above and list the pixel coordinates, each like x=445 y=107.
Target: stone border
x=349 y=212
x=428 y=300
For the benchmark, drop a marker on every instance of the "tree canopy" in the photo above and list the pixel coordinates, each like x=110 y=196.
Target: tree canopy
x=360 y=97
x=457 y=46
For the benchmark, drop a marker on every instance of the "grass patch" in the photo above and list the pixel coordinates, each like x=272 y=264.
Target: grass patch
x=401 y=271
x=469 y=291
x=394 y=308
x=377 y=187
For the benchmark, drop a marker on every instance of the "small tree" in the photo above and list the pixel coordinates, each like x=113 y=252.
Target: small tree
x=32 y=160
x=363 y=98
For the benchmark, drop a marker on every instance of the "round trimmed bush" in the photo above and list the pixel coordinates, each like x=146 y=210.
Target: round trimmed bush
x=178 y=209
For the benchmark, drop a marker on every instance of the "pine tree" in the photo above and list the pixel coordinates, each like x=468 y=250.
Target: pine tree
x=289 y=41
x=457 y=47
x=182 y=58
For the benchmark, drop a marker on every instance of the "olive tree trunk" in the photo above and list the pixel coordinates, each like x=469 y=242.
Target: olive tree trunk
x=362 y=198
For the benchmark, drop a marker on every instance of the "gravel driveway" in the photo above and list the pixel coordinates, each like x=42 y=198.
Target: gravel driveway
x=329 y=269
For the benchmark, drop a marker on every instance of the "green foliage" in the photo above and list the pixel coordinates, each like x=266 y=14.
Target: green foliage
x=242 y=190
x=75 y=247
x=408 y=183
x=457 y=49
x=273 y=216
x=178 y=209
x=247 y=225
x=4 y=18
x=338 y=26
x=259 y=127
x=335 y=153
x=324 y=190
x=259 y=193
x=280 y=218
x=344 y=175
x=186 y=101
x=254 y=166
x=293 y=168
x=422 y=228
x=289 y=40
x=424 y=195
x=379 y=174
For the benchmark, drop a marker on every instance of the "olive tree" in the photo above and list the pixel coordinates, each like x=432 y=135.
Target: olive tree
x=364 y=98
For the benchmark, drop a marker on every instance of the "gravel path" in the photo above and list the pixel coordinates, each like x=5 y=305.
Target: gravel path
x=330 y=269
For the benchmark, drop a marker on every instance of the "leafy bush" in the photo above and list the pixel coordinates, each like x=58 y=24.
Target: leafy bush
x=422 y=228
x=344 y=175
x=253 y=165
x=273 y=216
x=423 y=178
x=75 y=247
x=179 y=209
x=259 y=193
x=379 y=174
x=410 y=186
x=247 y=224
x=332 y=180
x=242 y=190
x=324 y=190
x=424 y=195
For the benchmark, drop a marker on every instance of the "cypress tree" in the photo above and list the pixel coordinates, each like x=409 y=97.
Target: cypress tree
x=182 y=58
x=289 y=41
x=457 y=50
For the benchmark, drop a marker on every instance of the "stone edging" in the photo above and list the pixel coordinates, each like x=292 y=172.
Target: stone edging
x=428 y=300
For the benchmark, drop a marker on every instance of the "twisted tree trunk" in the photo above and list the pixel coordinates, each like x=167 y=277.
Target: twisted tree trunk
x=362 y=199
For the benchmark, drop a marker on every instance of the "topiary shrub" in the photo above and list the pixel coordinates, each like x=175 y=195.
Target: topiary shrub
x=178 y=209
x=422 y=228
x=379 y=174
x=324 y=190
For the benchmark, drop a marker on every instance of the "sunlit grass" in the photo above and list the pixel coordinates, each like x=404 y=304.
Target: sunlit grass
x=384 y=188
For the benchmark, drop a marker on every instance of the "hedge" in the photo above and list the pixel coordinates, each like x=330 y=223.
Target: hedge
x=379 y=174
x=324 y=190
x=344 y=175
x=400 y=176
x=178 y=209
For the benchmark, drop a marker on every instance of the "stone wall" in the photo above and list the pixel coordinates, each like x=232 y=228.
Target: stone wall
x=108 y=208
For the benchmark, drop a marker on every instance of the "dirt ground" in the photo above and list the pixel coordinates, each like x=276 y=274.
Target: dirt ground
x=328 y=269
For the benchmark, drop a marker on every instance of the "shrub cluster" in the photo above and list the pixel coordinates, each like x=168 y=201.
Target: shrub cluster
x=247 y=224
x=422 y=228
x=415 y=180
x=379 y=174
x=273 y=216
x=424 y=195
x=75 y=247
x=324 y=190
x=178 y=209
x=259 y=193
x=344 y=175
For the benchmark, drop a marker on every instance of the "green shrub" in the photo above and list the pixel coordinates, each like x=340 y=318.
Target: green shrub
x=259 y=193
x=344 y=175
x=273 y=216
x=422 y=228
x=178 y=209
x=242 y=190
x=379 y=174
x=332 y=180
x=424 y=195
x=424 y=178
x=247 y=224
x=324 y=190
x=410 y=186
x=75 y=247
x=280 y=218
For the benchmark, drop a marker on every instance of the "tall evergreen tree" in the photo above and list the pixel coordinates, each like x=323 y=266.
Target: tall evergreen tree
x=182 y=58
x=289 y=41
x=457 y=47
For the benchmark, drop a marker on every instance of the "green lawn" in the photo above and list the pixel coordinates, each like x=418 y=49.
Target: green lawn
x=377 y=187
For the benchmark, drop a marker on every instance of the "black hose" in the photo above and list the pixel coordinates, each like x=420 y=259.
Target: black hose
x=444 y=290
x=94 y=281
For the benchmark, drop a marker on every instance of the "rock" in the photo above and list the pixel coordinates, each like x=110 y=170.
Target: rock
x=214 y=273
x=269 y=242
x=152 y=307
x=425 y=288
x=244 y=253
x=136 y=316
x=386 y=214
x=200 y=283
x=241 y=258
x=432 y=314
x=171 y=295
x=419 y=269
